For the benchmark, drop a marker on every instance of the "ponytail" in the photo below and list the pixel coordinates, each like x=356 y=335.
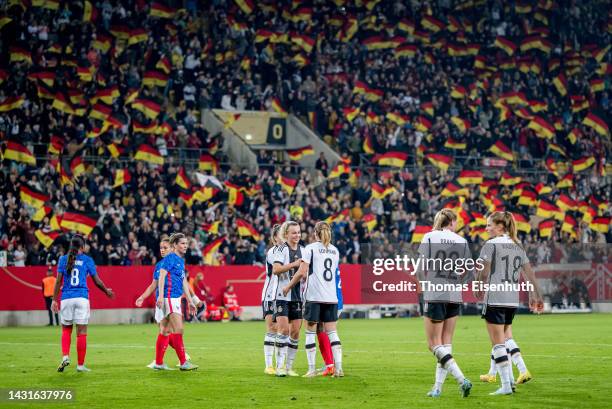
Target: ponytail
x=275 y=229
x=323 y=233
x=444 y=218
x=76 y=243
x=506 y=219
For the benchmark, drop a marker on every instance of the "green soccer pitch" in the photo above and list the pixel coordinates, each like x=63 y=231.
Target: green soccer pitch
x=386 y=363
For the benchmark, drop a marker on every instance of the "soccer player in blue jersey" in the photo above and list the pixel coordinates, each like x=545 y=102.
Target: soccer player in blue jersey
x=72 y=272
x=171 y=286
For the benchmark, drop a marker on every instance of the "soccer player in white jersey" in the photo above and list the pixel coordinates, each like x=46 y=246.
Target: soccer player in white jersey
x=267 y=301
x=442 y=307
x=287 y=307
x=319 y=265
x=504 y=259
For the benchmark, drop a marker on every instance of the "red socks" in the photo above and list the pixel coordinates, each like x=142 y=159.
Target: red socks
x=160 y=348
x=81 y=348
x=179 y=347
x=325 y=348
x=172 y=340
x=66 y=335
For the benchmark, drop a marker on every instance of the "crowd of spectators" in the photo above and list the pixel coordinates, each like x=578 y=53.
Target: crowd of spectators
x=222 y=56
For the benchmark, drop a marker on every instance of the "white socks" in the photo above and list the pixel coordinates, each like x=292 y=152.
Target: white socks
x=311 y=350
x=441 y=372
x=291 y=352
x=336 y=349
x=504 y=367
x=515 y=354
x=442 y=353
x=281 y=350
x=269 y=341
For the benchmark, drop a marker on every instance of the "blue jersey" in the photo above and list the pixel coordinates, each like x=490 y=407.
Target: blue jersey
x=75 y=281
x=339 y=289
x=175 y=266
x=156 y=276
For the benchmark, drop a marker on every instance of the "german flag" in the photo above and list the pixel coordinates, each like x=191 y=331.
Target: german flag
x=478 y=219
x=41 y=213
x=85 y=74
x=500 y=149
x=209 y=251
x=114 y=150
x=208 y=162
x=560 y=83
x=528 y=198
x=597 y=85
x=287 y=182
x=458 y=92
x=522 y=224
x=18 y=54
x=541 y=127
x=462 y=124
x=299 y=153
x=100 y=111
x=583 y=163
x=122 y=176
x=369 y=221
x=149 y=154
x=46 y=77
x=439 y=160
x=130 y=96
x=546 y=210
x=164 y=65
x=277 y=106
x=579 y=103
x=405 y=51
x=419 y=232
x=368 y=147
x=77 y=166
x=598 y=202
x=422 y=124
x=452 y=143
x=600 y=224
x=546 y=228
x=161 y=11
x=508 y=46
x=380 y=192
x=598 y=124
x=247 y=6
x=397 y=118
x=79 y=222
x=569 y=225
x=487 y=184
x=542 y=189
x=470 y=177
x=154 y=79
x=182 y=179
x=138 y=35
x=19 y=153
x=204 y=194
x=150 y=109
x=46 y=238
x=11 y=103
x=230 y=120
x=102 y=43
x=32 y=197
x=212 y=228
x=187 y=196
x=565 y=203
x=144 y=128
x=396 y=159
x=339 y=170
x=557 y=148
x=245 y=229
x=573 y=135
x=452 y=189
x=600 y=53
x=234 y=195
x=508 y=179
x=90 y=13
x=305 y=42
x=432 y=24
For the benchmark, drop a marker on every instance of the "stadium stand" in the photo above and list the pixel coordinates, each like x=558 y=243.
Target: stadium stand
x=472 y=105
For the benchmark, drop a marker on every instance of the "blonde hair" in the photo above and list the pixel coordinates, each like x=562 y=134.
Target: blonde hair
x=444 y=218
x=323 y=233
x=273 y=233
x=175 y=238
x=284 y=229
x=506 y=219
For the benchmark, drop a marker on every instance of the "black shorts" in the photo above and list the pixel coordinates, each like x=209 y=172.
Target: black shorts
x=499 y=315
x=267 y=308
x=440 y=311
x=289 y=309
x=320 y=312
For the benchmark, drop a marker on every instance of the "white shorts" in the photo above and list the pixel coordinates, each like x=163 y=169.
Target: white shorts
x=171 y=305
x=74 y=311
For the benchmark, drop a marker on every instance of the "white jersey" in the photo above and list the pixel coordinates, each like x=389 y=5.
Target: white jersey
x=322 y=266
x=440 y=250
x=267 y=292
x=285 y=255
x=507 y=260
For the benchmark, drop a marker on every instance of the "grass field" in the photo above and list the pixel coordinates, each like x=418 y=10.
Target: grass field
x=386 y=362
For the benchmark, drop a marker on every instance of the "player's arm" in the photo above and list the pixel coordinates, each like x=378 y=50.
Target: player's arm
x=56 y=290
x=109 y=293
x=482 y=276
x=302 y=271
x=161 y=283
x=279 y=268
x=187 y=291
x=150 y=289
x=535 y=296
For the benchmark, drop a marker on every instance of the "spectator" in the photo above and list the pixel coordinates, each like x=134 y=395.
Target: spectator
x=230 y=302
x=48 y=287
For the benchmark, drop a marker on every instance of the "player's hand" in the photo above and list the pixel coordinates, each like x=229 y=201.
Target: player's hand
x=286 y=290
x=54 y=306
x=139 y=301
x=191 y=309
x=536 y=305
x=297 y=262
x=160 y=303
x=110 y=293
x=479 y=295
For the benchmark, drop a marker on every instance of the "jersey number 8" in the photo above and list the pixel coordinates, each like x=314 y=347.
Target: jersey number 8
x=74 y=277
x=328 y=275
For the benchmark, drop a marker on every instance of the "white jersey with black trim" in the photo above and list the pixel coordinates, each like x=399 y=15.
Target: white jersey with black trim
x=267 y=293
x=321 y=283
x=507 y=259
x=285 y=255
x=442 y=252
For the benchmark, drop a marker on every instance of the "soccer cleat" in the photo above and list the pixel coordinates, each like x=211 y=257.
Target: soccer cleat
x=188 y=366
x=488 y=378
x=187 y=358
x=83 y=368
x=281 y=372
x=465 y=388
x=338 y=373
x=310 y=374
x=152 y=364
x=502 y=391
x=524 y=377
x=434 y=393
x=162 y=367
x=329 y=371
x=65 y=362
x=291 y=372
x=270 y=371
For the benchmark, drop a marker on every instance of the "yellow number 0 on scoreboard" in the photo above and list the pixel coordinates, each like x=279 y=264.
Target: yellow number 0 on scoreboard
x=277 y=131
